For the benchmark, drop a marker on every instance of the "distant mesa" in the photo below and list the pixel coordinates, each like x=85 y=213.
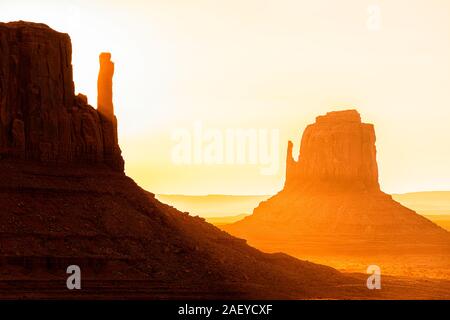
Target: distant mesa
x=331 y=200
x=41 y=117
x=337 y=152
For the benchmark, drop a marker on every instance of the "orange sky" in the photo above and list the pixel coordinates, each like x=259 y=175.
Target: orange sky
x=263 y=64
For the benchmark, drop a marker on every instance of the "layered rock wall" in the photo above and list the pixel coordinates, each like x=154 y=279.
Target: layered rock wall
x=337 y=150
x=41 y=119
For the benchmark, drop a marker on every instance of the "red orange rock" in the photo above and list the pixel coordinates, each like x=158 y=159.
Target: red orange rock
x=41 y=118
x=332 y=199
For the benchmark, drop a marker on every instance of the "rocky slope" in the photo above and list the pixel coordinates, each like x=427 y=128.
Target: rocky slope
x=64 y=200
x=332 y=203
x=128 y=244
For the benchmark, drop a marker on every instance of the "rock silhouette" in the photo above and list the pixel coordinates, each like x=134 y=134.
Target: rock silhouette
x=86 y=212
x=331 y=202
x=337 y=151
x=41 y=118
x=64 y=200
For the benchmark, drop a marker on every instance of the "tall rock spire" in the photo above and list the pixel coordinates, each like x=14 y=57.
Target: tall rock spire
x=290 y=165
x=105 y=108
x=104 y=86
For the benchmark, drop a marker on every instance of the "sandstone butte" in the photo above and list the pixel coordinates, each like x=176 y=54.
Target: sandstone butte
x=65 y=200
x=41 y=118
x=331 y=204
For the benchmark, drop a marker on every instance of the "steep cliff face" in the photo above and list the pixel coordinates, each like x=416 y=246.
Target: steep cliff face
x=41 y=119
x=105 y=107
x=339 y=151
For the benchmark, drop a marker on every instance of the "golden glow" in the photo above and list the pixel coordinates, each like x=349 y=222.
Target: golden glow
x=263 y=64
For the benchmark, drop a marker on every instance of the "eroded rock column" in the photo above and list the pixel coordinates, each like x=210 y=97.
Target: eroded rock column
x=105 y=108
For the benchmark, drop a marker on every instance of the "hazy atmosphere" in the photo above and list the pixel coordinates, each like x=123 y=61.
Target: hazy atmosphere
x=270 y=65
x=224 y=150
